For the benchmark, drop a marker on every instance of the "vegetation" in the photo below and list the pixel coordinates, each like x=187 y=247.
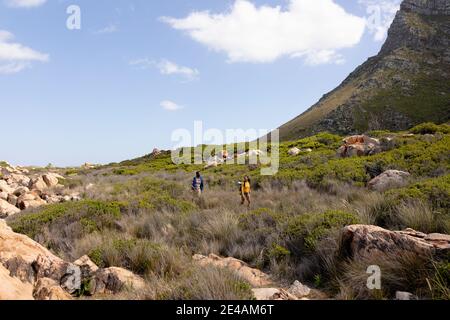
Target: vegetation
x=141 y=215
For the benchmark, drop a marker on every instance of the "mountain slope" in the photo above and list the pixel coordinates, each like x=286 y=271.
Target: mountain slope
x=407 y=83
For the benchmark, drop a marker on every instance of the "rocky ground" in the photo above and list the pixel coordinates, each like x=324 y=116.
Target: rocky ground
x=21 y=190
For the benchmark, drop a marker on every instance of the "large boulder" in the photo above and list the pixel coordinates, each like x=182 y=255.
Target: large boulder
x=389 y=179
x=17 y=179
x=30 y=200
x=19 y=252
x=5 y=187
x=367 y=242
x=52 y=179
x=39 y=184
x=255 y=277
x=12 y=288
x=48 y=289
x=7 y=209
x=88 y=268
x=359 y=146
x=113 y=280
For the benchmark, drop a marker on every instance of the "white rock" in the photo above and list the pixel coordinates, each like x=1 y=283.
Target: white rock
x=294 y=151
x=389 y=179
x=299 y=290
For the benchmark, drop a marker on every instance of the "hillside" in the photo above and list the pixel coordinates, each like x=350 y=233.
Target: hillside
x=407 y=83
x=321 y=220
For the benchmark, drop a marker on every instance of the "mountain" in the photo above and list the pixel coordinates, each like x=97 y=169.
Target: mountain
x=407 y=83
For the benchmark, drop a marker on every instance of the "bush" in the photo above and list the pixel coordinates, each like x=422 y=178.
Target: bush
x=435 y=191
x=138 y=255
x=430 y=128
x=70 y=220
x=207 y=283
x=307 y=229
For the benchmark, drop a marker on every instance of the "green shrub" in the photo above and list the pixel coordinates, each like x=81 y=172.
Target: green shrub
x=436 y=191
x=307 y=229
x=89 y=214
x=430 y=128
x=278 y=252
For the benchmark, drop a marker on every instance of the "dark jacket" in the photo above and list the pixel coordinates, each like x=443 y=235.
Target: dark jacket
x=194 y=183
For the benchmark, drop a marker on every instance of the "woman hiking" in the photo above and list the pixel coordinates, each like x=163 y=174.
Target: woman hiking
x=245 y=191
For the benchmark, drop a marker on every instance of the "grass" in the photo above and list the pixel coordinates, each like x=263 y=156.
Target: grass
x=149 y=222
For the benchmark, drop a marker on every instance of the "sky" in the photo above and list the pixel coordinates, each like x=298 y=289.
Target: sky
x=109 y=80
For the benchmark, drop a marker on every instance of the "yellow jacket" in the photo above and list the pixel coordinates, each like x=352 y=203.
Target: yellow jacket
x=246 y=187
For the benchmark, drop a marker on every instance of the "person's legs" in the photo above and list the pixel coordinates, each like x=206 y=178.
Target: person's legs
x=242 y=199
x=247 y=196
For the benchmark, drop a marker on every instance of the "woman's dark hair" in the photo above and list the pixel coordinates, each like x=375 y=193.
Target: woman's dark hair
x=197 y=174
x=248 y=179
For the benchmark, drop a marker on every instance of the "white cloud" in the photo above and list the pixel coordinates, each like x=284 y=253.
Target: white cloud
x=324 y=57
x=24 y=3
x=170 y=105
x=380 y=14
x=109 y=29
x=247 y=33
x=15 y=57
x=166 y=67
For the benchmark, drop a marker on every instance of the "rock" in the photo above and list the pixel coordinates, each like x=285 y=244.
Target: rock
x=299 y=290
x=4 y=187
x=114 y=280
x=308 y=150
x=21 y=191
x=389 y=179
x=51 y=179
x=4 y=196
x=365 y=241
x=359 y=146
x=30 y=200
x=255 y=153
x=12 y=199
x=12 y=288
x=39 y=184
x=7 y=209
x=255 y=277
x=402 y=295
x=6 y=171
x=18 y=179
x=272 y=294
x=294 y=151
x=14 y=245
x=75 y=197
x=155 y=152
x=48 y=289
x=29 y=261
x=88 y=268
x=66 y=274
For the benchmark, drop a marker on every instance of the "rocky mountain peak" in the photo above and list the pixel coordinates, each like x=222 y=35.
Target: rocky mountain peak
x=427 y=7
x=407 y=83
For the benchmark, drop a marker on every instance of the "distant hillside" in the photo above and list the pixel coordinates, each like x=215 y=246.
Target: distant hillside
x=407 y=83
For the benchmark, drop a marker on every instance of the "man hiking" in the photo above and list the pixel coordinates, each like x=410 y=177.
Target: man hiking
x=245 y=191
x=197 y=184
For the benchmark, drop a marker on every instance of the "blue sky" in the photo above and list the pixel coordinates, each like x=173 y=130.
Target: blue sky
x=138 y=70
